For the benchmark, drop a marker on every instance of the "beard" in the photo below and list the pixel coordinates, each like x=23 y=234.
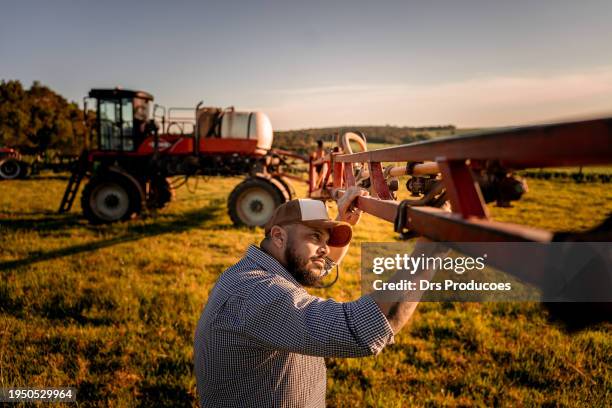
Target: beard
x=296 y=265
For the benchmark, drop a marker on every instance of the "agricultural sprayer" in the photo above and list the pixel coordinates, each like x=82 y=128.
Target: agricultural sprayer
x=136 y=147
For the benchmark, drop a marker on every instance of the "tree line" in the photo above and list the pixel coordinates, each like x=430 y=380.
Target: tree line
x=37 y=119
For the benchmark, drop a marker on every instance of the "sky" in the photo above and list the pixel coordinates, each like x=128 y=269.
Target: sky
x=331 y=63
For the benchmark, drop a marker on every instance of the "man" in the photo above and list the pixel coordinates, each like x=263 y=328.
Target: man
x=261 y=339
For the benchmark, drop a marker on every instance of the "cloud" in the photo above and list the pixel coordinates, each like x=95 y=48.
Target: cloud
x=477 y=102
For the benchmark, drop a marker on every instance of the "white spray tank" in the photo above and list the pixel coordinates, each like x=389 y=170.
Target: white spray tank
x=232 y=124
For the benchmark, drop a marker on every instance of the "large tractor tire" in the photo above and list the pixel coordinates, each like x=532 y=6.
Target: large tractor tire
x=109 y=198
x=11 y=169
x=252 y=202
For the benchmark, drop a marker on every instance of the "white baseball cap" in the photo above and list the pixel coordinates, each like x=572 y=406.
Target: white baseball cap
x=312 y=213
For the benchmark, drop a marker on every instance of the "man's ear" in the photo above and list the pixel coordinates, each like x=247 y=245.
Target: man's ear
x=278 y=236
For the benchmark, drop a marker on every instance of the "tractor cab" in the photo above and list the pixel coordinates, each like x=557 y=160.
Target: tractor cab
x=122 y=117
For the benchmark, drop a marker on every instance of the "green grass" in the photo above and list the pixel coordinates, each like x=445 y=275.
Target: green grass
x=112 y=310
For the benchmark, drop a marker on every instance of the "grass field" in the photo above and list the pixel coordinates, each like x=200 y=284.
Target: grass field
x=111 y=310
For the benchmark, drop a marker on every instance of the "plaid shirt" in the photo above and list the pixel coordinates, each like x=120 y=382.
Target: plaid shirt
x=261 y=338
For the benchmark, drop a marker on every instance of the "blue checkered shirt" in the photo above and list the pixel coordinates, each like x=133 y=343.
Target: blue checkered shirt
x=261 y=338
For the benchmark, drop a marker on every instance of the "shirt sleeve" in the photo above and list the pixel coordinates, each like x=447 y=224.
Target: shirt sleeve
x=288 y=318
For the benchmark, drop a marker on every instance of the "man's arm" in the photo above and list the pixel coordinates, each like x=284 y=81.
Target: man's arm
x=397 y=313
x=284 y=317
x=347 y=213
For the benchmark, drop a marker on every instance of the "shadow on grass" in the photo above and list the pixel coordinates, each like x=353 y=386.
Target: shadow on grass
x=53 y=222
x=165 y=395
x=171 y=224
x=56 y=176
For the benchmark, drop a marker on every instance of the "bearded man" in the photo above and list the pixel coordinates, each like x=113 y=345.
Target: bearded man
x=261 y=339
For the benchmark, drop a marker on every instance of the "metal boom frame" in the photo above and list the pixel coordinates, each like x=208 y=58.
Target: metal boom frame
x=576 y=143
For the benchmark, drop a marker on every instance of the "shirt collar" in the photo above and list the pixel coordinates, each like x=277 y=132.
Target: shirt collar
x=269 y=263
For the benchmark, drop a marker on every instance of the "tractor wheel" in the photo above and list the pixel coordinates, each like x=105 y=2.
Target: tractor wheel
x=11 y=169
x=253 y=202
x=161 y=193
x=109 y=198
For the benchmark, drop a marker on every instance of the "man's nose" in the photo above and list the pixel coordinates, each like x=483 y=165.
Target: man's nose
x=323 y=250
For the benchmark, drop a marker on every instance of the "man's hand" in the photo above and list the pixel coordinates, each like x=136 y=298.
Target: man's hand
x=348 y=213
x=346 y=210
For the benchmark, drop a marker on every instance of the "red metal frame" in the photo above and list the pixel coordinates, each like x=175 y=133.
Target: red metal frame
x=585 y=142
x=558 y=144
x=463 y=191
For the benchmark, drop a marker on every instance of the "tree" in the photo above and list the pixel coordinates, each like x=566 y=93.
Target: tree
x=38 y=119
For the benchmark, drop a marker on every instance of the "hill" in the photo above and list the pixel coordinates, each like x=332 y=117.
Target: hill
x=303 y=140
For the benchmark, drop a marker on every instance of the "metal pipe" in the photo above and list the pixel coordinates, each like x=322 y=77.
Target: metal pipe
x=441 y=225
x=196 y=131
x=87 y=129
x=427 y=168
x=421 y=169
